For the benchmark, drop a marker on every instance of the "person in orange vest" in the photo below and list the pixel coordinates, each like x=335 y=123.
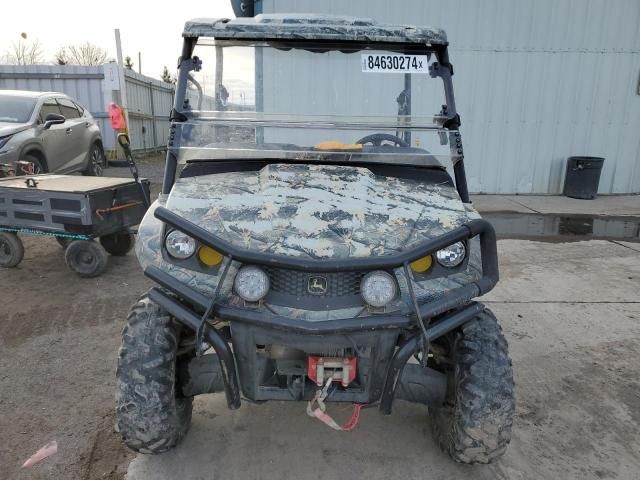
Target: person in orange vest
x=116 y=117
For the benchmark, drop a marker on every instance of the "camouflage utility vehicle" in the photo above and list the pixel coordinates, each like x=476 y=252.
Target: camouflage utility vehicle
x=314 y=238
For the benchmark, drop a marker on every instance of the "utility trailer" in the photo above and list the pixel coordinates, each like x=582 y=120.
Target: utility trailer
x=88 y=216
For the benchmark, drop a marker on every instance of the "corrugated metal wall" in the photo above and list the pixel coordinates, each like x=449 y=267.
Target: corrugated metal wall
x=149 y=100
x=536 y=82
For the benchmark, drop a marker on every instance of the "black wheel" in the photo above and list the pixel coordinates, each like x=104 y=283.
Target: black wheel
x=64 y=241
x=380 y=139
x=95 y=168
x=86 y=257
x=118 y=244
x=11 y=250
x=474 y=425
x=152 y=416
x=37 y=166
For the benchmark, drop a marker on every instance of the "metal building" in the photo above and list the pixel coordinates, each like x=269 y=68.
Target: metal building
x=536 y=82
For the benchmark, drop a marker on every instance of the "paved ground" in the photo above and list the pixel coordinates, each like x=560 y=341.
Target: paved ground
x=618 y=205
x=571 y=313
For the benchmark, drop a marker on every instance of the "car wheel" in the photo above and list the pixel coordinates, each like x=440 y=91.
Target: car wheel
x=38 y=165
x=96 y=162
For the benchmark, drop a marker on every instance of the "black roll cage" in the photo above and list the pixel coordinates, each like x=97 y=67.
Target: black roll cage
x=442 y=68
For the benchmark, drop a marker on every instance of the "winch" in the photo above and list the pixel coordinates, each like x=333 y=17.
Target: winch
x=320 y=369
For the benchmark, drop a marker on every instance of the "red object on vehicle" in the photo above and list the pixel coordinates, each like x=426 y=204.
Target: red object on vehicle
x=116 y=117
x=320 y=369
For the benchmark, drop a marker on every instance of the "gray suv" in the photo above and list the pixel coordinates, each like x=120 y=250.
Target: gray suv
x=51 y=131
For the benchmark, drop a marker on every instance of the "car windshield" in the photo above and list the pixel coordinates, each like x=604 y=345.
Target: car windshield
x=15 y=109
x=313 y=102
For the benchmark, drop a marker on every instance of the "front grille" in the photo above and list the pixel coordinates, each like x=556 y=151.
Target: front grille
x=292 y=282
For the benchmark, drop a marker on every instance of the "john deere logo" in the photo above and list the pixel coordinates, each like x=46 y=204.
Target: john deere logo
x=317 y=285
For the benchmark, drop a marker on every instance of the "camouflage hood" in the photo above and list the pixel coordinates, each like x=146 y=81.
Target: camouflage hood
x=317 y=211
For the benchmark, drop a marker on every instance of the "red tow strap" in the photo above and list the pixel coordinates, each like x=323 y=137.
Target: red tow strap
x=320 y=412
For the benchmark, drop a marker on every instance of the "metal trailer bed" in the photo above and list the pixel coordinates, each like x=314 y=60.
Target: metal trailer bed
x=75 y=210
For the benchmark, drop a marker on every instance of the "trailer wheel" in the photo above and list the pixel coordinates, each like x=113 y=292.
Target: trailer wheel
x=11 y=250
x=86 y=257
x=474 y=424
x=64 y=241
x=152 y=414
x=118 y=244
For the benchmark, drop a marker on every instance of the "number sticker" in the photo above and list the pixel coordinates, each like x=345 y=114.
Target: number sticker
x=394 y=63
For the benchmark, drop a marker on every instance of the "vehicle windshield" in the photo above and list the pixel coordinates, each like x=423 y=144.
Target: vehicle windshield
x=16 y=109
x=313 y=103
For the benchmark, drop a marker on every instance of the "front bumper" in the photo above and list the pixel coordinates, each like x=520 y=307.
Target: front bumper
x=380 y=332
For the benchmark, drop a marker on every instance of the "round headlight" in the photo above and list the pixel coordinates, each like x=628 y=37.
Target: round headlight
x=378 y=288
x=451 y=256
x=251 y=283
x=180 y=245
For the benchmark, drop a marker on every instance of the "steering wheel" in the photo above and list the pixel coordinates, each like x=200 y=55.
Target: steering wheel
x=378 y=139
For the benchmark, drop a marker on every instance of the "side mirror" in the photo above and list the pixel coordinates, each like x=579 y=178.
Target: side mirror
x=53 y=119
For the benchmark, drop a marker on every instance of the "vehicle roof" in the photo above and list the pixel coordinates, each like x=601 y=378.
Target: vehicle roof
x=29 y=94
x=312 y=27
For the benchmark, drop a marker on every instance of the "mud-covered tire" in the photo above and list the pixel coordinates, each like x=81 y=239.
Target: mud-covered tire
x=86 y=257
x=474 y=425
x=151 y=416
x=11 y=250
x=118 y=244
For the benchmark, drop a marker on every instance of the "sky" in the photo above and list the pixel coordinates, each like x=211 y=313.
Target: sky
x=153 y=28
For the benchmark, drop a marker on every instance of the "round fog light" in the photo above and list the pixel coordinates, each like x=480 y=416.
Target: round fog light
x=180 y=245
x=452 y=256
x=378 y=288
x=251 y=283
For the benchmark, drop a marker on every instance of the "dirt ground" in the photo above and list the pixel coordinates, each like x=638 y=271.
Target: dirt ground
x=59 y=338
x=571 y=313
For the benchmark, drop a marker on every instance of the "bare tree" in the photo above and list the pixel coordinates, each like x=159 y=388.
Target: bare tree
x=24 y=52
x=84 y=54
x=167 y=77
x=128 y=64
x=62 y=56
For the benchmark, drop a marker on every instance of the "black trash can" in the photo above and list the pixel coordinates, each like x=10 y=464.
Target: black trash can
x=583 y=177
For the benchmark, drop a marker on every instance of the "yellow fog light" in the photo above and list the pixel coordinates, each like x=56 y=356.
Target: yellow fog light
x=421 y=265
x=209 y=257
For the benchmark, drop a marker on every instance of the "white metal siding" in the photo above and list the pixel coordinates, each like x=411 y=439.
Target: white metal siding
x=536 y=82
x=148 y=98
